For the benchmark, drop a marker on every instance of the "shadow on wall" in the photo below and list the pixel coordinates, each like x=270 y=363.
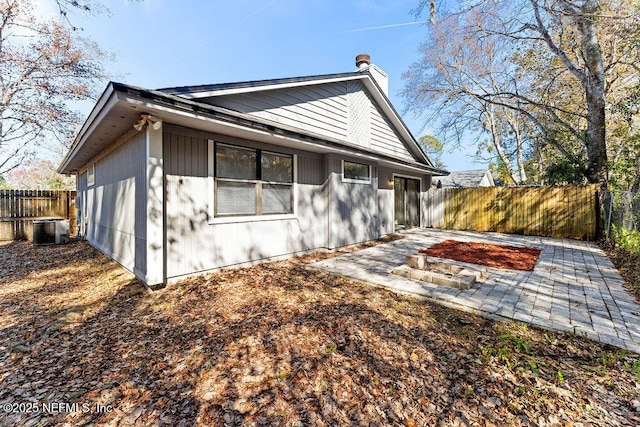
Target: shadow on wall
x=354 y=215
x=195 y=244
x=112 y=205
x=112 y=224
x=329 y=213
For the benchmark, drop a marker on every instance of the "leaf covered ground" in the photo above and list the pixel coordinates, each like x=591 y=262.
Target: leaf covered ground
x=280 y=344
x=627 y=263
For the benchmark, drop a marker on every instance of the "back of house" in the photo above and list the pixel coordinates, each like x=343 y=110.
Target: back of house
x=184 y=180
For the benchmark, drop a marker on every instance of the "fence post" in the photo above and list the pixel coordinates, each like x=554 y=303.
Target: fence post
x=611 y=202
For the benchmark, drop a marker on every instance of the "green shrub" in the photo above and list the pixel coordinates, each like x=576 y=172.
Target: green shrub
x=629 y=240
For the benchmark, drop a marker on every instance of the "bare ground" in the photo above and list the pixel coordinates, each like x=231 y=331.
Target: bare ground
x=278 y=344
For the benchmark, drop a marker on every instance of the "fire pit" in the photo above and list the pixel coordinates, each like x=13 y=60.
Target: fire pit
x=419 y=267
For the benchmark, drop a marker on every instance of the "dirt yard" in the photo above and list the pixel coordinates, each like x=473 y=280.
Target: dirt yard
x=83 y=343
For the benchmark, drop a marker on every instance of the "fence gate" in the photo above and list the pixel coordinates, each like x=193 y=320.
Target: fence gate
x=19 y=208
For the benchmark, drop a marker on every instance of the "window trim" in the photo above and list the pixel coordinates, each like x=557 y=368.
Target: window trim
x=240 y=218
x=91 y=175
x=356 y=181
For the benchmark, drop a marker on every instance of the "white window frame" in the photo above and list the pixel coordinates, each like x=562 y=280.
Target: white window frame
x=355 y=181
x=231 y=219
x=91 y=175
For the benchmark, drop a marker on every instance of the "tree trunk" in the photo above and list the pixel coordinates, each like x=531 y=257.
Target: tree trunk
x=515 y=126
x=597 y=168
x=497 y=143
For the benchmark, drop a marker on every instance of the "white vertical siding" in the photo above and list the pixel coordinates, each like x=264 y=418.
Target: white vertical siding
x=185 y=167
x=140 y=211
x=310 y=170
x=353 y=208
x=385 y=200
x=385 y=211
x=113 y=203
x=81 y=202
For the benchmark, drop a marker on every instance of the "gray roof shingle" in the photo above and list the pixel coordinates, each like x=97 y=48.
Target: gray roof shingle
x=462 y=179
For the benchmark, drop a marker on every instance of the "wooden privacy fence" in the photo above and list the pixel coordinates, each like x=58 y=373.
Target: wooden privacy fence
x=564 y=212
x=19 y=208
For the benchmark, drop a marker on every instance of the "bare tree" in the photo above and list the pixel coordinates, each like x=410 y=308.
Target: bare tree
x=459 y=77
x=555 y=73
x=44 y=66
x=39 y=174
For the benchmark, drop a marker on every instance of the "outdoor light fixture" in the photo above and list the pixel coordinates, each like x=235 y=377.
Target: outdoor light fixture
x=155 y=122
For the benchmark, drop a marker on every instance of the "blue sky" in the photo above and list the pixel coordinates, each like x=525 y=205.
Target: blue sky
x=162 y=43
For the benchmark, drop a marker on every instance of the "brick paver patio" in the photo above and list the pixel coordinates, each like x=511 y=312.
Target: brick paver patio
x=573 y=287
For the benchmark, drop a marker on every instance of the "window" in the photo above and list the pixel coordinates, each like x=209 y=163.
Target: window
x=250 y=181
x=91 y=175
x=356 y=172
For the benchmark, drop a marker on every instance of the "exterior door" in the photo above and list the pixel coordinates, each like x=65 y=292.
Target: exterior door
x=406 y=203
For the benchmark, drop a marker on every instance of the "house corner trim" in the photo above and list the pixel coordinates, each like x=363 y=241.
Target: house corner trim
x=155 y=238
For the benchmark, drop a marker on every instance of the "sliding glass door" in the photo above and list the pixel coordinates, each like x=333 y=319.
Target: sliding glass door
x=406 y=202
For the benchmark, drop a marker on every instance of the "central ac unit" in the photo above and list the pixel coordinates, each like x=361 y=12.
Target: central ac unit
x=50 y=231
x=62 y=231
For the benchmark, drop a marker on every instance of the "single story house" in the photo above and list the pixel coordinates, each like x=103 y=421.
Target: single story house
x=184 y=180
x=465 y=179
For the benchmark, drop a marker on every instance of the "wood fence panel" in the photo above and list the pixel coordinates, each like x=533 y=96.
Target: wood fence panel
x=563 y=212
x=19 y=208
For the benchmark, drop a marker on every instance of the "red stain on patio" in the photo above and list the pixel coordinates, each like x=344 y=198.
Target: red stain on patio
x=497 y=256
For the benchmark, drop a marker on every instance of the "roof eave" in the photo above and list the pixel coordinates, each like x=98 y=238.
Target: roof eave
x=229 y=116
x=205 y=91
x=102 y=107
x=118 y=92
x=393 y=113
